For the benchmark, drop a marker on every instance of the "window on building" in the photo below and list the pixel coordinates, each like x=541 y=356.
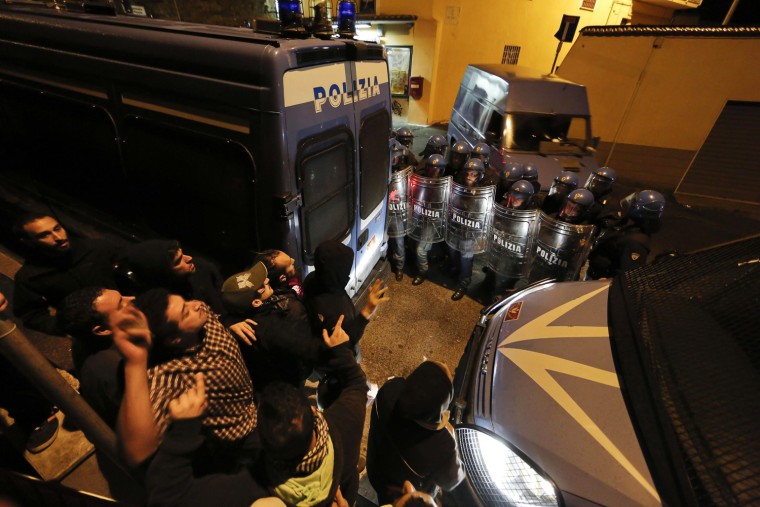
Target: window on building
x=588 y=4
x=511 y=55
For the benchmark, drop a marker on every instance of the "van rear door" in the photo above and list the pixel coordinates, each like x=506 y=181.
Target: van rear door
x=338 y=124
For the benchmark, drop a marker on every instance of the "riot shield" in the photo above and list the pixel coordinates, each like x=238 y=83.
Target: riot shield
x=560 y=249
x=429 y=199
x=513 y=232
x=469 y=217
x=398 y=199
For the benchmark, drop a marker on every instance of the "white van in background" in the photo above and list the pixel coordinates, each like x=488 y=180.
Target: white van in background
x=528 y=117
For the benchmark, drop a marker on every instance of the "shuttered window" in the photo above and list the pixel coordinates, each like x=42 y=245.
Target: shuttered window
x=588 y=4
x=511 y=55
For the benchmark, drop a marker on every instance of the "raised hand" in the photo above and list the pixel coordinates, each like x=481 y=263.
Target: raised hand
x=337 y=337
x=376 y=296
x=131 y=335
x=192 y=403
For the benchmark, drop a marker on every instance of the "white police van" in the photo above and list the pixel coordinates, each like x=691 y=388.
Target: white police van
x=229 y=139
x=527 y=117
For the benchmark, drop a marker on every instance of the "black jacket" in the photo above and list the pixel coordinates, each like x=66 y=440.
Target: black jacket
x=170 y=478
x=285 y=348
x=43 y=281
x=325 y=292
x=394 y=442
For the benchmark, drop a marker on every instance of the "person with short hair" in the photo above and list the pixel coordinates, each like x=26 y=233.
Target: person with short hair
x=164 y=263
x=282 y=270
x=308 y=457
x=56 y=265
x=273 y=327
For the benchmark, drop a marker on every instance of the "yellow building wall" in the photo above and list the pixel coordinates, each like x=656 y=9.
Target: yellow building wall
x=450 y=34
x=476 y=31
x=662 y=92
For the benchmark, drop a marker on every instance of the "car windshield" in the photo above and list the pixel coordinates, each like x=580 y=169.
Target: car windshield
x=546 y=133
x=685 y=334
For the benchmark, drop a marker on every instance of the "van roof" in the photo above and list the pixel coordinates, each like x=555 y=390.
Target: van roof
x=521 y=89
x=512 y=73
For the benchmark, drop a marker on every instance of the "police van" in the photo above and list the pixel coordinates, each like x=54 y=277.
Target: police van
x=229 y=139
x=526 y=116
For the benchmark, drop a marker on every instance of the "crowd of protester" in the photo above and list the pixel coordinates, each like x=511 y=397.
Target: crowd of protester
x=203 y=378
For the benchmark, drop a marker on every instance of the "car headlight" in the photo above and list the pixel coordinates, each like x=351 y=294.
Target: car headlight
x=499 y=475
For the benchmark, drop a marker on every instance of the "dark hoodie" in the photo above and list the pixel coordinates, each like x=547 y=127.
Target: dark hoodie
x=147 y=265
x=44 y=280
x=325 y=290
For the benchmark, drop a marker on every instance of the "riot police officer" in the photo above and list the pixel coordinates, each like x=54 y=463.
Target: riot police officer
x=483 y=152
x=405 y=136
x=564 y=183
x=530 y=173
x=600 y=184
x=458 y=157
x=435 y=167
x=520 y=196
x=435 y=144
x=575 y=209
x=627 y=246
x=460 y=262
x=397 y=209
x=512 y=172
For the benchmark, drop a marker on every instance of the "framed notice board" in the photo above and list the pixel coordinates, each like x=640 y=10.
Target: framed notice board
x=399 y=68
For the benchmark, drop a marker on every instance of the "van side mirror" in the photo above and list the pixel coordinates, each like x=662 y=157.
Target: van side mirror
x=492 y=138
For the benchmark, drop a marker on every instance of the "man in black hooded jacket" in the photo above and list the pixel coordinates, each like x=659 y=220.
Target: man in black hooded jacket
x=325 y=290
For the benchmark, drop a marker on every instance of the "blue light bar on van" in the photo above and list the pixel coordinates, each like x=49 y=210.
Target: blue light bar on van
x=291 y=18
x=347 y=19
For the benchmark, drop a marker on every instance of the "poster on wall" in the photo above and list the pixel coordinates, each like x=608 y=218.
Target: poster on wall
x=399 y=66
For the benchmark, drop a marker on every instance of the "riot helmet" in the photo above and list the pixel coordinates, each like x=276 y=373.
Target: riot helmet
x=564 y=183
x=436 y=144
x=511 y=173
x=576 y=206
x=460 y=154
x=519 y=195
x=406 y=154
x=483 y=152
x=396 y=156
x=474 y=172
x=405 y=136
x=530 y=173
x=600 y=181
x=435 y=166
x=643 y=205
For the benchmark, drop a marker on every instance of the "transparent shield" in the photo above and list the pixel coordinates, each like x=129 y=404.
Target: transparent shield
x=511 y=239
x=429 y=199
x=560 y=249
x=469 y=218
x=398 y=200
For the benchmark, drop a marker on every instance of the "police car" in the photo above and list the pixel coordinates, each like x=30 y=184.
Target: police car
x=640 y=391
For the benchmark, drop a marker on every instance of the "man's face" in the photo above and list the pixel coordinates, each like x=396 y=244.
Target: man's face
x=188 y=316
x=516 y=202
x=284 y=263
x=47 y=234
x=472 y=177
x=115 y=308
x=266 y=292
x=182 y=264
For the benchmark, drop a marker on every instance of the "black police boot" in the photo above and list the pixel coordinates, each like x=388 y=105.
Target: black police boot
x=399 y=275
x=459 y=293
x=419 y=280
